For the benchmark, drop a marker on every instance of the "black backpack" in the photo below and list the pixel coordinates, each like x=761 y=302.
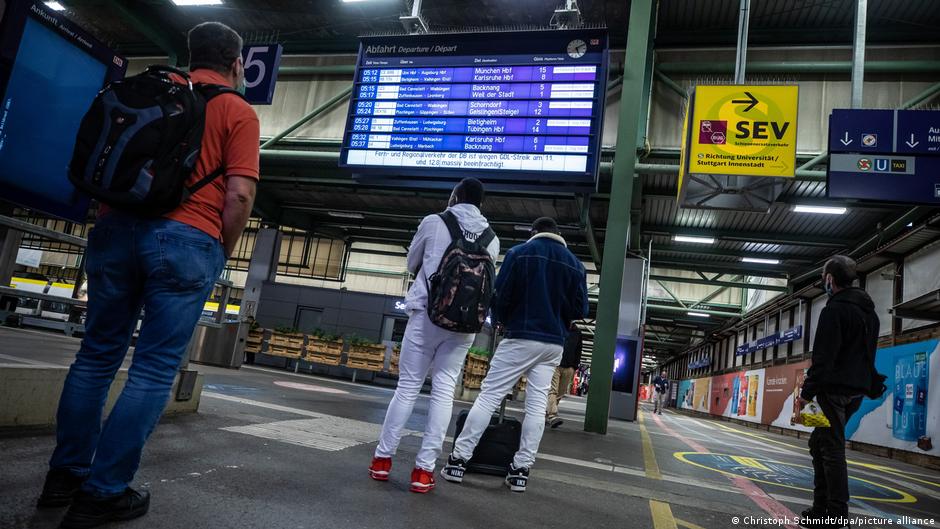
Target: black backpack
x=460 y=292
x=139 y=142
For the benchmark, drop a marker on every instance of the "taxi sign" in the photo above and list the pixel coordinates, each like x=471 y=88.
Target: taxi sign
x=743 y=130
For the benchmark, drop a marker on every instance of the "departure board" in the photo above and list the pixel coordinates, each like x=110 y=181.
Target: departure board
x=520 y=109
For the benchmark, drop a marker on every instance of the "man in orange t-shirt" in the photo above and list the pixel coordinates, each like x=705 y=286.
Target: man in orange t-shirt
x=167 y=266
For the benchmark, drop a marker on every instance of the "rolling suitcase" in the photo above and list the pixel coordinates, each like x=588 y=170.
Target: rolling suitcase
x=499 y=443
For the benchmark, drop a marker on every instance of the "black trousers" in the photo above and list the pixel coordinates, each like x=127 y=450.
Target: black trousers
x=827 y=446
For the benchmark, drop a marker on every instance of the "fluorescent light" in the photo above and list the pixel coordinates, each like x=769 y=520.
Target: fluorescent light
x=188 y=3
x=55 y=6
x=825 y=210
x=345 y=215
x=910 y=224
x=520 y=227
x=759 y=261
x=698 y=314
x=696 y=240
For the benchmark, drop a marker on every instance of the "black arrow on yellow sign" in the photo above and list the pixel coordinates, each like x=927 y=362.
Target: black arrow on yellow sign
x=750 y=101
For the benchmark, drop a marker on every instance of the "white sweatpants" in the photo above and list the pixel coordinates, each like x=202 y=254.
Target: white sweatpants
x=514 y=358
x=425 y=347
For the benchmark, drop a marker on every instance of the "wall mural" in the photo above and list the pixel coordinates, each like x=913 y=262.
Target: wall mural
x=907 y=417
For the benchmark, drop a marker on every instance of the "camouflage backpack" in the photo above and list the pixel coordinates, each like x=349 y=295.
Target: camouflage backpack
x=460 y=292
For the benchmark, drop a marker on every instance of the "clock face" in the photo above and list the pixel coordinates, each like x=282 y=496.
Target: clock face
x=577 y=48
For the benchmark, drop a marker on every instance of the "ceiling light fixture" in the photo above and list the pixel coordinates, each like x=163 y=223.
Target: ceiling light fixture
x=345 y=215
x=191 y=3
x=55 y=6
x=699 y=314
x=760 y=261
x=824 y=210
x=520 y=227
x=696 y=240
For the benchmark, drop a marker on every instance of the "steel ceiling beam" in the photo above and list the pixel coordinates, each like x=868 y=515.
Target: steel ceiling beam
x=798 y=67
x=708 y=282
x=144 y=18
x=795 y=239
x=686 y=250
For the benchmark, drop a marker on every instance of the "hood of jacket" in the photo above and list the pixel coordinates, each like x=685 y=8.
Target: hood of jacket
x=470 y=218
x=854 y=296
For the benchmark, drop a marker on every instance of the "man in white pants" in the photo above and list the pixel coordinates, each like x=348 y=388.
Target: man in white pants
x=427 y=347
x=541 y=288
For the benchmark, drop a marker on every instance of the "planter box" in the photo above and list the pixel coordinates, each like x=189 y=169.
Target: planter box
x=318 y=346
x=368 y=353
x=287 y=340
x=365 y=365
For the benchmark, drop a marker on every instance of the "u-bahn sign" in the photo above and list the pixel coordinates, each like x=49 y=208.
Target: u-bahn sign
x=743 y=130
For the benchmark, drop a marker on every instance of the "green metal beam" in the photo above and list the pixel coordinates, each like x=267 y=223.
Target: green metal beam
x=309 y=117
x=686 y=250
x=671 y=294
x=672 y=85
x=584 y=204
x=922 y=97
x=639 y=41
x=800 y=67
x=730 y=284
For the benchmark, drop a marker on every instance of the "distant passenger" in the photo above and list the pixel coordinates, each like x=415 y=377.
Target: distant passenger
x=427 y=347
x=168 y=266
x=540 y=290
x=843 y=370
x=660 y=392
x=564 y=375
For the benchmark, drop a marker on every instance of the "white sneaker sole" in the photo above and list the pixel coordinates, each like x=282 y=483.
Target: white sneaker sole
x=514 y=488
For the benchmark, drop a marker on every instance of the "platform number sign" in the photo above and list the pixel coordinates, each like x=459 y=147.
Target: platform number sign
x=261 y=65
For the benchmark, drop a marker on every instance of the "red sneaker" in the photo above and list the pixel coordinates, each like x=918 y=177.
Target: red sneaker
x=380 y=468
x=422 y=481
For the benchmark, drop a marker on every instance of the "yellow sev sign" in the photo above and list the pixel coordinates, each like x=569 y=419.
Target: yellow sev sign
x=743 y=130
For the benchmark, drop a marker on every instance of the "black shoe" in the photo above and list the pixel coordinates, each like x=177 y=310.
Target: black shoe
x=88 y=511
x=812 y=517
x=556 y=422
x=517 y=478
x=59 y=489
x=454 y=470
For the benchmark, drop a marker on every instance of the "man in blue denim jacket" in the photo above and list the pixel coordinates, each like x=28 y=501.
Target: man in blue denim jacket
x=540 y=289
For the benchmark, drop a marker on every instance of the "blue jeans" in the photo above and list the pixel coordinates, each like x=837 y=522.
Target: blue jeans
x=167 y=268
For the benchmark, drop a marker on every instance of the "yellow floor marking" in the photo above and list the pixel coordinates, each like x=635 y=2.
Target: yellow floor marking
x=750 y=462
x=649 y=458
x=688 y=525
x=762 y=438
x=662 y=515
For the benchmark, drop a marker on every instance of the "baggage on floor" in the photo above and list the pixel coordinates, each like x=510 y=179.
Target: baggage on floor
x=499 y=443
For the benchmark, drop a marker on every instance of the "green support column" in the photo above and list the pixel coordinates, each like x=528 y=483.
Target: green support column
x=639 y=35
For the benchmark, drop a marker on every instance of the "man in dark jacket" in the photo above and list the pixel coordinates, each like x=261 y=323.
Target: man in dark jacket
x=564 y=375
x=540 y=289
x=842 y=372
x=660 y=390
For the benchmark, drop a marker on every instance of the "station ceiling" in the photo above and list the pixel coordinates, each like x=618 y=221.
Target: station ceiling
x=312 y=193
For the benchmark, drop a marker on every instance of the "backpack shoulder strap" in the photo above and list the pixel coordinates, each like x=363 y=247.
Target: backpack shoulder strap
x=211 y=91
x=208 y=92
x=452 y=225
x=486 y=238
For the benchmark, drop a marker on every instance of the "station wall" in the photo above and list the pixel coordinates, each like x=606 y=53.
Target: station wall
x=909 y=410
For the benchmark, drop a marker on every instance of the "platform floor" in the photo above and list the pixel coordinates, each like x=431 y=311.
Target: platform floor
x=271 y=449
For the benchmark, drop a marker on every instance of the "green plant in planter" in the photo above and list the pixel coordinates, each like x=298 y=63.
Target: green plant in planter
x=356 y=340
x=285 y=330
x=479 y=351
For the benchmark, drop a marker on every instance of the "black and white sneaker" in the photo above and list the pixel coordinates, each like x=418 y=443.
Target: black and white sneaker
x=517 y=478
x=454 y=470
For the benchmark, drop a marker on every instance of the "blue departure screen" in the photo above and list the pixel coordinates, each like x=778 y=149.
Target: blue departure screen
x=526 y=106
x=50 y=87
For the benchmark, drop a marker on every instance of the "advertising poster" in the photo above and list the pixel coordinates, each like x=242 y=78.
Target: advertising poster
x=780 y=386
x=701 y=393
x=910 y=407
x=723 y=392
x=748 y=403
x=684 y=398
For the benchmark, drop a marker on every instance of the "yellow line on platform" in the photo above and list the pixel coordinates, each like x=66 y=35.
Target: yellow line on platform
x=662 y=515
x=688 y=525
x=649 y=457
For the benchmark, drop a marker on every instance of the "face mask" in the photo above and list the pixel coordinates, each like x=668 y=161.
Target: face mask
x=828 y=287
x=240 y=79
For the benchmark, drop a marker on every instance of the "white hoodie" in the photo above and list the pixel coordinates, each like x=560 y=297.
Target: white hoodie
x=431 y=241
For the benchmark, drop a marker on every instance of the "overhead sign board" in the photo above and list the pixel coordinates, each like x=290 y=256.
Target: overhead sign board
x=885 y=155
x=768 y=341
x=744 y=130
x=791 y=335
x=262 y=62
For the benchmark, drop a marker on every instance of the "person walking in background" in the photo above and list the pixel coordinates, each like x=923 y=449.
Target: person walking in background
x=540 y=290
x=564 y=375
x=168 y=266
x=842 y=371
x=660 y=392
x=427 y=347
